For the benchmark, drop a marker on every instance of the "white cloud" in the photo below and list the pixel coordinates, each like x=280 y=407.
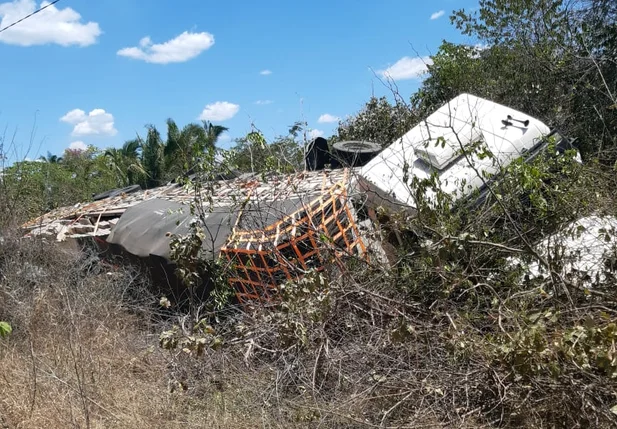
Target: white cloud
x=406 y=68
x=53 y=25
x=78 y=145
x=265 y=72
x=263 y=102
x=437 y=15
x=219 y=111
x=476 y=50
x=314 y=134
x=97 y=122
x=225 y=137
x=481 y=46
x=181 y=48
x=327 y=118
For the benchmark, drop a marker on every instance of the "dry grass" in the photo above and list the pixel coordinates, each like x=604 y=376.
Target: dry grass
x=84 y=351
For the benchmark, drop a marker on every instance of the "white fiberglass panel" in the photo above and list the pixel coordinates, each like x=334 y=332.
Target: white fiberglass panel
x=437 y=143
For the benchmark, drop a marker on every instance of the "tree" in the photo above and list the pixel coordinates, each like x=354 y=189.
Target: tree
x=455 y=69
x=152 y=161
x=255 y=155
x=52 y=159
x=89 y=168
x=152 y=158
x=379 y=122
x=33 y=187
x=126 y=162
x=184 y=145
x=551 y=59
x=213 y=133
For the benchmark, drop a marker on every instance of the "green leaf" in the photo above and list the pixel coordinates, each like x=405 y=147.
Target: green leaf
x=5 y=329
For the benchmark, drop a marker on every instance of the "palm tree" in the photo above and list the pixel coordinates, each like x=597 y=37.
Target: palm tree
x=151 y=161
x=184 y=145
x=52 y=159
x=126 y=162
x=152 y=158
x=213 y=133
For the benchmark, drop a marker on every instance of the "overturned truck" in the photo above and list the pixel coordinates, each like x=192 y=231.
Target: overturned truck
x=268 y=230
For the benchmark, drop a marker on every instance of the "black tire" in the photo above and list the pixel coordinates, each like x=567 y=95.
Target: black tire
x=354 y=153
x=115 y=192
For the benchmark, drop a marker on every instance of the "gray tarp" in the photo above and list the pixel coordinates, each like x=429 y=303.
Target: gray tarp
x=258 y=215
x=145 y=228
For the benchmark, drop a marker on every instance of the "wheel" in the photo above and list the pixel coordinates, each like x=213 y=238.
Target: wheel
x=355 y=153
x=115 y=192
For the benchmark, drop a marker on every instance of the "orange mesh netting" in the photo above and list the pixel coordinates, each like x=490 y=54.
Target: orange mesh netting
x=320 y=232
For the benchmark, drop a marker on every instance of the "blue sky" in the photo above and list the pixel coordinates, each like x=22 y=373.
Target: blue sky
x=96 y=72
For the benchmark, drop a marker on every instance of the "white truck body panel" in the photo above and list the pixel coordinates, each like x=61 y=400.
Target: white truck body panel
x=435 y=145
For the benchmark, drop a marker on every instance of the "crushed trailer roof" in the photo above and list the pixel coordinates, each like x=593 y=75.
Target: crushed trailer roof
x=99 y=217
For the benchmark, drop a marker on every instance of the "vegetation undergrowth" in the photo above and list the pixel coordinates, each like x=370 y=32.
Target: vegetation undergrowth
x=452 y=334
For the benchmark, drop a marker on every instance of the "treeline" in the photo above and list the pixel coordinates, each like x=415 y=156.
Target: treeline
x=36 y=186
